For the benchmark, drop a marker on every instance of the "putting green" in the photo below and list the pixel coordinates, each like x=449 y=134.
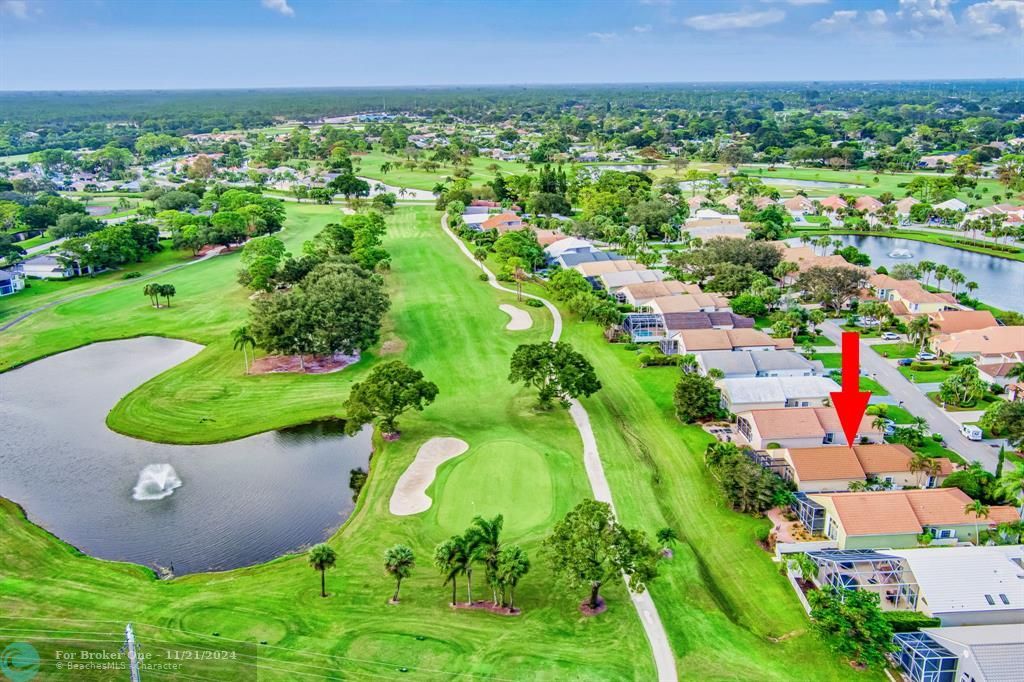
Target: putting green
x=497 y=477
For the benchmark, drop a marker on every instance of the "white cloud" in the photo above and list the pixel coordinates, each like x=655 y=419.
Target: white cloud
x=799 y=2
x=726 y=21
x=876 y=17
x=925 y=15
x=603 y=37
x=645 y=28
x=14 y=8
x=994 y=18
x=281 y=6
x=838 y=20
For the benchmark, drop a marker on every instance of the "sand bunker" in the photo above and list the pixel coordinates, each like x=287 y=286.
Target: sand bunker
x=520 y=318
x=410 y=496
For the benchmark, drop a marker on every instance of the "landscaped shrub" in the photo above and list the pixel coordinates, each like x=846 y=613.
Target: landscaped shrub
x=937 y=437
x=773 y=446
x=484 y=277
x=131 y=275
x=534 y=303
x=910 y=621
x=632 y=346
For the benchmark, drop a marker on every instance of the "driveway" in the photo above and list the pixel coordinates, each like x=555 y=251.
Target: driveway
x=873 y=364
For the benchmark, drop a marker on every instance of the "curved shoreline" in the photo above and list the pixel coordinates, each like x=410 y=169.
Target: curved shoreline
x=917 y=236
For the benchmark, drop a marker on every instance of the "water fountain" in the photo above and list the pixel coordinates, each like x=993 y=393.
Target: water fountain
x=156 y=481
x=901 y=253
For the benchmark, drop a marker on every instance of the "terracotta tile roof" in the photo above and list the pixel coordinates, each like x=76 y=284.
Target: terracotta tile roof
x=501 y=219
x=989 y=341
x=803 y=422
x=834 y=202
x=545 y=237
x=908 y=511
x=951 y=321
x=867 y=203
x=726 y=339
x=860 y=461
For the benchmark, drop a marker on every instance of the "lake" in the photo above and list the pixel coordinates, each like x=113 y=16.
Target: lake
x=1000 y=280
x=807 y=184
x=239 y=503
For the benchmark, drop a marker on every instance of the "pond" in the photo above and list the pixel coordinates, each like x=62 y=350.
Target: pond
x=238 y=503
x=1000 y=280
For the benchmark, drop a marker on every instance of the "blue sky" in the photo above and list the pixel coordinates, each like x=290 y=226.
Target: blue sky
x=138 y=44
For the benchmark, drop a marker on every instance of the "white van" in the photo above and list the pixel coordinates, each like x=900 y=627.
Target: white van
x=971 y=432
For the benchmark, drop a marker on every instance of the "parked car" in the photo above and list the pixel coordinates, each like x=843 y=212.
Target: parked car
x=971 y=432
x=904 y=362
x=888 y=427
x=925 y=355
x=890 y=336
x=867 y=322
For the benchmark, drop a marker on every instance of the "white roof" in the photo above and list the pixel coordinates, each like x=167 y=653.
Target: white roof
x=951 y=205
x=568 y=244
x=705 y=213
x=616 y=280
x=776 y=389
x=965 y=578
x=998 y=650
x=474 y=218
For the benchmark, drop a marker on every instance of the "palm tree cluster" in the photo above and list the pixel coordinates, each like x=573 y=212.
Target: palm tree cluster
x=504 y=565
x=749 y=487
x=157 y=291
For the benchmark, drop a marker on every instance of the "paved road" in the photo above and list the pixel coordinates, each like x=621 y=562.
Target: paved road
x=917 y=403
x=664 y=659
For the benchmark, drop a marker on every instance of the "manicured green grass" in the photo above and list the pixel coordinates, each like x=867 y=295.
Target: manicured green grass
x=819 y=340
x=932 y=449
x=869 y=384
x=42 y=291
x=524 y=464
x=936 y=374
x=896 y=350
x=981 y=404
x=894 y=412
x=829 y=360
x=370 y=167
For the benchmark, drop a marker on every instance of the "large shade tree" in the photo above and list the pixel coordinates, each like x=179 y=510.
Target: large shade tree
x=390 y=389
x=556 y=370
x=589 y=547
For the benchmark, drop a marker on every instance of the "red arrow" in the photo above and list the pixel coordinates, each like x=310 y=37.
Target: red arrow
x=851 y=402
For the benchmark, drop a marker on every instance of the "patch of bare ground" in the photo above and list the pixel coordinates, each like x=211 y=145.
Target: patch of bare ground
x=310 y=364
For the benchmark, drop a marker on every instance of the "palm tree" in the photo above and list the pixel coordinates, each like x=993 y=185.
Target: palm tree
x=956 y=278
x=1011 y=484
x=941 y=274
x=920 y=329
x=399 y=562
x=923 y=465
x=919 y=424
x=487 y=544
x=980 y=511
x=1010 y=531
x=243 y=338
x=167 y=290
x=666 y=536
x=1016 y=372
x=449 y=558
x=153 y=291
x=688 y=362
x=322 y=557
x=512 y=565
x=926 y=267
x=804 y=565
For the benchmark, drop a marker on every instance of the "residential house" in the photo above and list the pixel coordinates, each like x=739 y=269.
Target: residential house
x=951 y=205
x=762 y=363
x=603 y=267
x=972 y=653
x=640 y=295
x=503 y=222
x=665 y=327
x=690 y=339
x=895 y=518
x=709 y=229
x=936 y=160
x=709 y=214
x=51 y=266
x=696 y=201
x=988 y=346
x=960 y=586
x=613 y=281
x=906 y=297
x=867 y=204
x=768 y=393
x=833 y=204
x=11 y=282
x=475 y=220
x=831 y=469
x=548 y=237
x=689 y=303
x=798 y=205
x=573 y=250
x=800 y=427
x=904 y=205
x=953 y=321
